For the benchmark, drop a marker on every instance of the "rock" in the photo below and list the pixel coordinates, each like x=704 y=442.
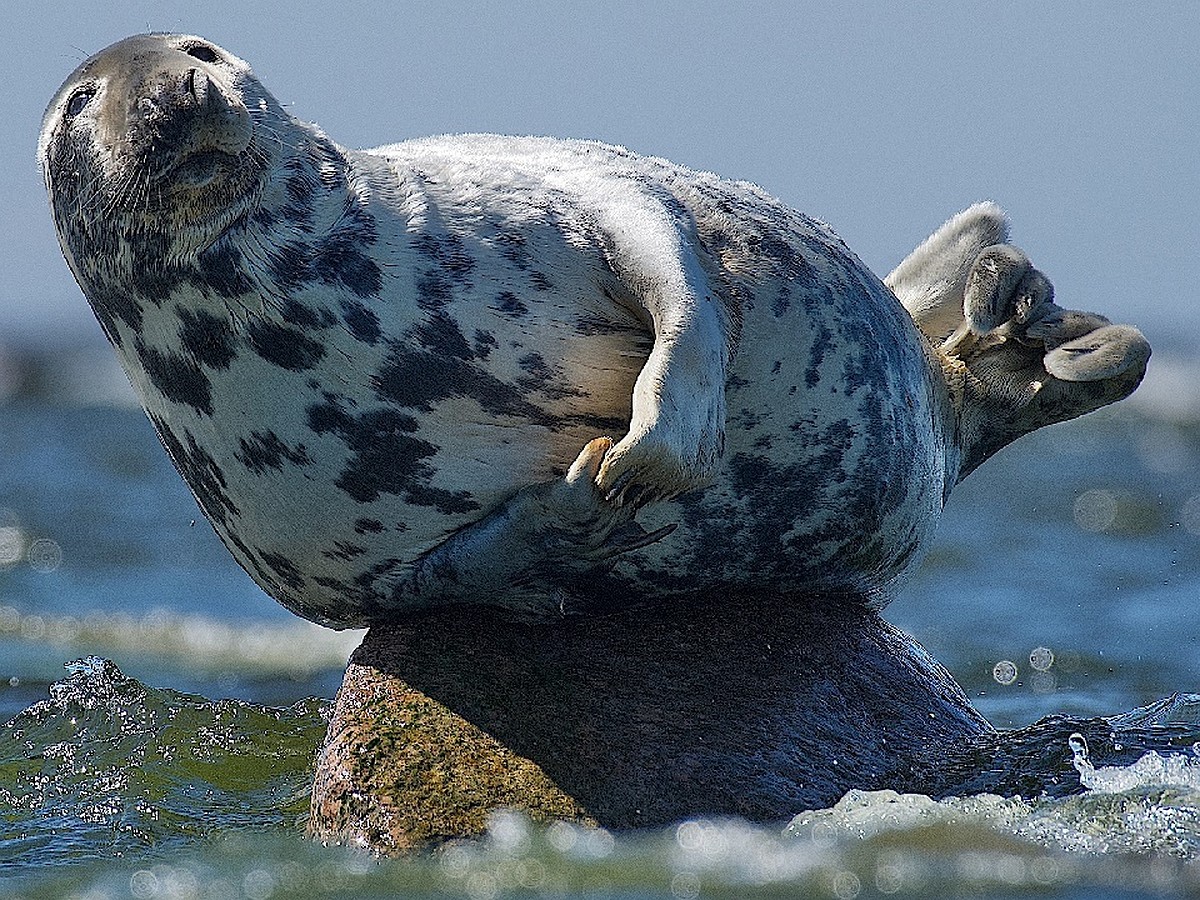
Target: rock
x=758 y=708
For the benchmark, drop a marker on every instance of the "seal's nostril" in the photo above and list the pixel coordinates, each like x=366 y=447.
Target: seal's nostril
x=189 y=82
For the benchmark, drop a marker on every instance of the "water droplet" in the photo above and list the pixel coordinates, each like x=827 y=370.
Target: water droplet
x=888 y=878
x=846 y=885
x=1041 y=658
x=686 y=886
x=1095 y=510
x=562 y=836
x=143 y=884
x=1005 y=672
x=1043 y=683
x=12 y=545
x=259 y=884
x=44 y=555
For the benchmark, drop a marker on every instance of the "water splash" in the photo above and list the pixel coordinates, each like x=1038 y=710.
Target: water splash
x=175 y=796
x=107 y=766
x=1150 y=771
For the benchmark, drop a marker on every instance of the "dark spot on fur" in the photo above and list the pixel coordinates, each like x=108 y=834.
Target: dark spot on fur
x=449 y=252
x=433 y=291
x=540 y=282
x=339 y=259
x=264 y=450
x=589 y=326
x=362 y=322
x=177 y=377
x=296 y=313
x=822 y=339
x=512 y=247
x=534 y=364
x=283 y=346
x=603 y=424
x=344 y=550
x=540 y=376
x=452 y=268
x=507 y=303
x=301 y=185
x=284 y=569
x=221 y=270
x=208 y=338
x=152 y=280
x=199 y=470
x=369 y=526
x=776 y=367
x=248 y=558
x=288 y=264
x=418 y=379
x=113 y=305
x=264 y=217
x=441 y=334
x=485 y=343
x=746 y=420
x=385 y=457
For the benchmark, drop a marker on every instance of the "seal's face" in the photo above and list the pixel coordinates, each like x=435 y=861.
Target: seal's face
x=156 y=129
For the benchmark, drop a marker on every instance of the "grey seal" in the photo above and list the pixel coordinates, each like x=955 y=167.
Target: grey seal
x=552 y=376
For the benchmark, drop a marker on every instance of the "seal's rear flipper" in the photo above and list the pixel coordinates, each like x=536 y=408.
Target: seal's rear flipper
x=1041 y=365
x=932 y=280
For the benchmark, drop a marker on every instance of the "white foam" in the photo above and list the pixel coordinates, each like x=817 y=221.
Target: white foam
x=1152 y=770
x=287 y=648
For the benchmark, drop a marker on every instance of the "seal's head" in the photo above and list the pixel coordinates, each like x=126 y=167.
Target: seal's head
x=152 y=148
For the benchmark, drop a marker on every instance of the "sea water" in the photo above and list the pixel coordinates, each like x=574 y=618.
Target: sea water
x=159 y=715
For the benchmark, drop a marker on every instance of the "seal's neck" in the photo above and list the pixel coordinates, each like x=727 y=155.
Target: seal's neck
x=313 y=225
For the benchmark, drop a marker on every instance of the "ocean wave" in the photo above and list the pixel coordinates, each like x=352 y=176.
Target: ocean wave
x=292 y=649
x=114 y=788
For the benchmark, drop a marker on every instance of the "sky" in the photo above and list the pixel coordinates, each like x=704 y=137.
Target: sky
x=1080 y=119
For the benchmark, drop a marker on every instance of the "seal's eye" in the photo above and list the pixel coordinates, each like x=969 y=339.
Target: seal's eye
x=79 y=100
x=202 y=52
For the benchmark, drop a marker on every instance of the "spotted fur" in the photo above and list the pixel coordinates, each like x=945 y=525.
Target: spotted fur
x=360 y=361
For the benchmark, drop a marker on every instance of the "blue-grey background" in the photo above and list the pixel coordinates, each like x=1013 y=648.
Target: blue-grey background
x=1083 y=120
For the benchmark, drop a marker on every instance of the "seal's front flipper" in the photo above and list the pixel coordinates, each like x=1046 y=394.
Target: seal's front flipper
x=677 y=430
x=531 y=554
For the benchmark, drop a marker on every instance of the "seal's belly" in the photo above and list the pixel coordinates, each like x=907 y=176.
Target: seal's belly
x=328 y=464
